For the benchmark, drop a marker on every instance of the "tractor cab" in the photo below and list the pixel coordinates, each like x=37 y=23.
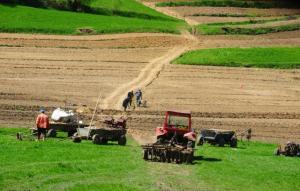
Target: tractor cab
x=178 y=121
x=176 y=124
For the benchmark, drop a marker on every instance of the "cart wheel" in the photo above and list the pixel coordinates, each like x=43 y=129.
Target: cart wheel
x=277 y=152
x=19 y=136
x=34 y=132
x=221 y=142
x=96 y=139
x=51 y=133
x=103 y=140
x=76 y=139
x=122 y=140
x=233 y=142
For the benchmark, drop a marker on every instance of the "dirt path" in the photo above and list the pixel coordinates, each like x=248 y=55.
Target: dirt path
x=151 y=72
x=147 y=75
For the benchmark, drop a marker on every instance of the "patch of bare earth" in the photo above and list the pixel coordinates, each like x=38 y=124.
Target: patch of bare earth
x=139 y=40
x=189 y=11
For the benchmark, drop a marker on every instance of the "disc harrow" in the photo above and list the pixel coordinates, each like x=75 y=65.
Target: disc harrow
x=168 y=153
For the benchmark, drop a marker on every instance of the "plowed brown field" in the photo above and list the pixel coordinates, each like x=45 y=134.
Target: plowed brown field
x=47 y=71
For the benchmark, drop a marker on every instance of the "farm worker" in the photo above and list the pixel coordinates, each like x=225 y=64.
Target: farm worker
x=42 y=123
x=125 y=103
x=138 y=95
x=130 y=96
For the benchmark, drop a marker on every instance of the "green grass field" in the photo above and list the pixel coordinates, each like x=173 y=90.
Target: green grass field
x=35 y=20
x=284 y=58
x=59 y=164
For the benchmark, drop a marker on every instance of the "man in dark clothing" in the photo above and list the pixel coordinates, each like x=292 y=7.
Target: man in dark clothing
x=130 y=96
x=125 y=103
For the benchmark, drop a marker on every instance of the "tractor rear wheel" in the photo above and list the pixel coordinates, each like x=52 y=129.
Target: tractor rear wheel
x=51 y=133
x=122 y=140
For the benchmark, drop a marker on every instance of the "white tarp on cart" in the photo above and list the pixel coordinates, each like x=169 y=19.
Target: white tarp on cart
x=61 y=115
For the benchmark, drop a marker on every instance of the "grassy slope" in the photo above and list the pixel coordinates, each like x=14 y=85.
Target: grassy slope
x=34 y=20
x=245 y=57
x=59 y=164
x=128 y=6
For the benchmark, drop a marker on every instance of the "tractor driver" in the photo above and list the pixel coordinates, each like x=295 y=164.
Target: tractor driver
x=42 y=123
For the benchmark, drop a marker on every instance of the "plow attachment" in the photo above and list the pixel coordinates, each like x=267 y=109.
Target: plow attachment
x=168 y=153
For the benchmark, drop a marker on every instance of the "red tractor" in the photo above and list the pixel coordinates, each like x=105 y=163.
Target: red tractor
x=175 y=140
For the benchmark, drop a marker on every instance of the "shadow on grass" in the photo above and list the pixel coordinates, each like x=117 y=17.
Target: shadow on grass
x=207 y=159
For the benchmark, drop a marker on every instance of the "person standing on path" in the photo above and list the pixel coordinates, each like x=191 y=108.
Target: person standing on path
x=42 y=124
x=125 y=103
x=130 y=95
x=138 y=95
